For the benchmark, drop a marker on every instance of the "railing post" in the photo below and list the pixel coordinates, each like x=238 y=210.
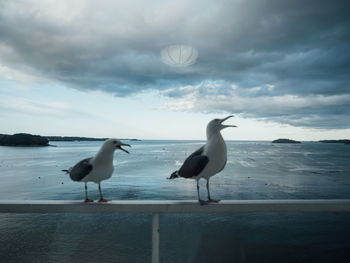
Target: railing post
x=155 y=238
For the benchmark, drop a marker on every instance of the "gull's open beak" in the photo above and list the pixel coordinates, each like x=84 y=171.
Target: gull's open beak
x=224 y=119
x=123 y=144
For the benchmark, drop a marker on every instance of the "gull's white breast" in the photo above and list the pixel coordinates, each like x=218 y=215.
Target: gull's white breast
x=216 y=151
x=101 y=171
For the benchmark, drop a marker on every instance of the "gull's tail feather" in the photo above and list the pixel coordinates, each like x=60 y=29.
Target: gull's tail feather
x=67 y=171
x=174 y=175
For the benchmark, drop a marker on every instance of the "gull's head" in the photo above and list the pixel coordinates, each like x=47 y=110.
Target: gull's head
x=114 y=144
x=217 y=125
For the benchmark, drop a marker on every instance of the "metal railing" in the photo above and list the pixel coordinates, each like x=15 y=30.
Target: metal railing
x=157 y=207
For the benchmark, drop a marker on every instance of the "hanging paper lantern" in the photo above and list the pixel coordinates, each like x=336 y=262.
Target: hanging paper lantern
x=179 y=55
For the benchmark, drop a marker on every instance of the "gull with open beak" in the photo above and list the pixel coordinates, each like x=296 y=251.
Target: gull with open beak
x=208 y=160
x=98 y=168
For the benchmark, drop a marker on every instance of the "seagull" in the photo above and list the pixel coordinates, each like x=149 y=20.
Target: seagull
x=208 y=160
x=98 y=168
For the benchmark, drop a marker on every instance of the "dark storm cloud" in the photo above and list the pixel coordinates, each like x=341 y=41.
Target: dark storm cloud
x=266 y=50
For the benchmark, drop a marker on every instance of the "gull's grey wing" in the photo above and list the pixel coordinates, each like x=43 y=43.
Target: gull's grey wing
x=81 y=169
x=194 y=164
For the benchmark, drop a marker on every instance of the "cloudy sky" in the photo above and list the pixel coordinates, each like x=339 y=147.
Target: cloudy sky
x=93 y=68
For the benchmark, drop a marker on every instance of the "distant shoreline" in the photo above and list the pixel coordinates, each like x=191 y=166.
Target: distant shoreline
x=336 y=141
x=29 y=140
x=79 y=139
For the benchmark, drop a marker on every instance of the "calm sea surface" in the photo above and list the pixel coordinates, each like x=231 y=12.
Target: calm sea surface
x=254 y=170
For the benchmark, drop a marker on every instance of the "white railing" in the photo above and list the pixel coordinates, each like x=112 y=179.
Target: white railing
x=156 y=207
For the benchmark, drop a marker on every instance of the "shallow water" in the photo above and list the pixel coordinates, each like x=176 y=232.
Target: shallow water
x=254 y=170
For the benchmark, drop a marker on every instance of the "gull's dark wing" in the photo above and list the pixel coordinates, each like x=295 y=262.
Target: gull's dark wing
x=194 y=164
x=81 y=169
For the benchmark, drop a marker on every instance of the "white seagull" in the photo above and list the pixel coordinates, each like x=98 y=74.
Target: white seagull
x=208 y=160
x=98 y=168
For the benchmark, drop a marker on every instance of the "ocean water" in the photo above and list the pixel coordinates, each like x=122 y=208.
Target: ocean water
x=254 y=170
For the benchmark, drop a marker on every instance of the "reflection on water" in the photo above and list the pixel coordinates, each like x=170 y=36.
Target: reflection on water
x=255 y=170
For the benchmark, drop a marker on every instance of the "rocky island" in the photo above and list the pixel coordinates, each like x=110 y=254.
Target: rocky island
x=285 y=141
x=23 y=139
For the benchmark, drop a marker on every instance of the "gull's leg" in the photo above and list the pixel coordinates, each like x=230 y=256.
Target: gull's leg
x=209 y=198
x=101 y=196
x=201 y=202
x=87 y=200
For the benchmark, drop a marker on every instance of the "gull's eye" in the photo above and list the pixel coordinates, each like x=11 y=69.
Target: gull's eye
x=115 y=142
x=216 y=120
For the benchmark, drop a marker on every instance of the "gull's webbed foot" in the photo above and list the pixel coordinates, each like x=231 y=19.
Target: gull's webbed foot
x=102 y=200
x=213 y=200
x=203 y=202
x=87 y=200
